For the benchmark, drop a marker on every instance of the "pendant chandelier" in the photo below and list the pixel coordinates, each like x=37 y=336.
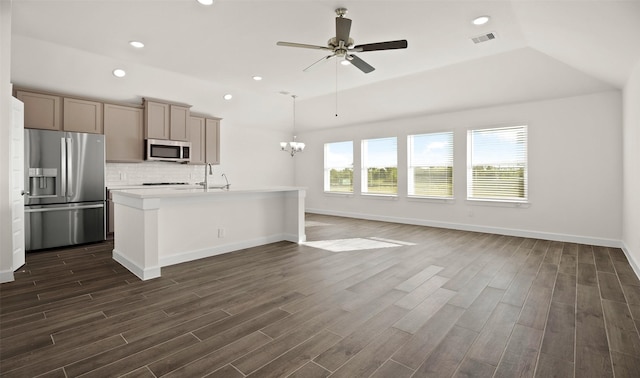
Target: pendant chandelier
x=294 y=146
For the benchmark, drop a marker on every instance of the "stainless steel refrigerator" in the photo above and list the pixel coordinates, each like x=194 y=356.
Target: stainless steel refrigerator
x=64 y=188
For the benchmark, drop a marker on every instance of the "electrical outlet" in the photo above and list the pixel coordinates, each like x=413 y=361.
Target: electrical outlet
x=123 y=176
x=222 y=232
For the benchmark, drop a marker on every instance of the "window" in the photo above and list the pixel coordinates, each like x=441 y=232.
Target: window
x=497 y=164
x=338 y=167
x=380 y=166
x=430 y=162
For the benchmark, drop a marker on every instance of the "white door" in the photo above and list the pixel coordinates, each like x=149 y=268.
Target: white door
x=17 y=182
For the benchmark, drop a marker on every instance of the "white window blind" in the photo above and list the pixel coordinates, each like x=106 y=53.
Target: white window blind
x=338 y=167
x=497 y=166
x=430 y=164
x=380 y=166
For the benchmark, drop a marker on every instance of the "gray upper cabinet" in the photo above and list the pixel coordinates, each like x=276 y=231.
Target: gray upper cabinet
x=166 y=121
x=51 y=112
x=156 y=120
x=125 y=127
x=197 y=139
x=179 y=128
x=82 y=116
x=205 y=140
x=212 y=143
x=41 y=111
x=124 y=133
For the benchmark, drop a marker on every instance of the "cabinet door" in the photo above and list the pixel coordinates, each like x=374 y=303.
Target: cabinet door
x=213 y=141
x=179 y=123
x=197 y=139
x=41 y=111
x=156 y=118
x=124 y=133
x=82 y=116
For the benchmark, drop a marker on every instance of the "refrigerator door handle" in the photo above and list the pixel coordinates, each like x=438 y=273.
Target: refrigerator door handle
x=63 y=167
x=45 y=210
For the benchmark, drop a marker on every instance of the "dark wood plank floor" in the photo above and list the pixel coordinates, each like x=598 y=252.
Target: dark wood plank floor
x=435 y=303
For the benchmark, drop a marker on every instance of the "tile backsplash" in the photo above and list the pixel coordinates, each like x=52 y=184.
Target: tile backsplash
x=138 y=173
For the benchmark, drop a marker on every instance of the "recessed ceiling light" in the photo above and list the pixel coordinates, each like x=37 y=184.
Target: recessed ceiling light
x=136 y=44
x=205 y=2
x=119 y=72
x=480 y=20
x=257 y=78
x=227 y=96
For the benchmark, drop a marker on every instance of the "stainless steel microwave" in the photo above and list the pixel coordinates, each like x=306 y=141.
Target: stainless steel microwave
x=167 y=150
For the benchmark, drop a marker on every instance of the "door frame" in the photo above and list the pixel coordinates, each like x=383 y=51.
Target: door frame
x=16 y=180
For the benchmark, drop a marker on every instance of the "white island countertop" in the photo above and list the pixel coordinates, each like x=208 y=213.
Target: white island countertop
x=158 y=227
x=192 y=191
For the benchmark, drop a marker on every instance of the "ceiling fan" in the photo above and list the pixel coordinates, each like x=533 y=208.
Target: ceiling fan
x=342 y=45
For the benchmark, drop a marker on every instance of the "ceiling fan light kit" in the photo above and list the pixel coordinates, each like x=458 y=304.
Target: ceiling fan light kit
x=342 y=45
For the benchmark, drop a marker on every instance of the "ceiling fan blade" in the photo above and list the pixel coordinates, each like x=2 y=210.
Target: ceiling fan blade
x=360 y=64
x=390 y=45
x=343 y=28
x=302 y=45
x=323 y=59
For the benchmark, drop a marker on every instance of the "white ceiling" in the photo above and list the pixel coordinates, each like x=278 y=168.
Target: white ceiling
x=195 y=54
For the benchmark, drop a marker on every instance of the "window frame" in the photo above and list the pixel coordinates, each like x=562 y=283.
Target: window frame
x=364 y=168
x=327 y=169
x=470 y=167
x=411 y=193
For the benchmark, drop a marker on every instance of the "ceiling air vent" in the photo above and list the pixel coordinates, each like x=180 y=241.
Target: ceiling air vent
x=483 y=38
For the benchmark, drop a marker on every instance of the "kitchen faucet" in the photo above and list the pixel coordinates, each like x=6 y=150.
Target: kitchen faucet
x=225 y=179
x=205 y=183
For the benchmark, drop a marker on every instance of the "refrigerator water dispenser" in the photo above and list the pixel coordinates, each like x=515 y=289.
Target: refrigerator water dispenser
x=42 y=182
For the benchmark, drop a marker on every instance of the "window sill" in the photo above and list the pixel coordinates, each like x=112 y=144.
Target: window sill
x=431 y=199
x=393 y=197
x=499 y=203
x=338 y=194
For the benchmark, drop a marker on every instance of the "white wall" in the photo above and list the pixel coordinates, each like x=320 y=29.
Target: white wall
x=631 y=188
x=575 y=171
x=251 y=156
x=6 y=256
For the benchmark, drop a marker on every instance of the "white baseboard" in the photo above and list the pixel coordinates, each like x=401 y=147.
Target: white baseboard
x=475 y=228
x=6 y=276
x=294 y=238
x=632 y=261
x=218 y=250
x=142 y=273
x=635 y=265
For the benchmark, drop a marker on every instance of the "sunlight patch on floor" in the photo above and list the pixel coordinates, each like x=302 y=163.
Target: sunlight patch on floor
x=392 y=241
x=355 y=244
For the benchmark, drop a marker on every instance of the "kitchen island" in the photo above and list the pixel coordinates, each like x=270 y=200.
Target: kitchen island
x=161 y=227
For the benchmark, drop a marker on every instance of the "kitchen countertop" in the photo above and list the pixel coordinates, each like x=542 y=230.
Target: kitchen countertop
x=194 y=191
x=140 y=186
